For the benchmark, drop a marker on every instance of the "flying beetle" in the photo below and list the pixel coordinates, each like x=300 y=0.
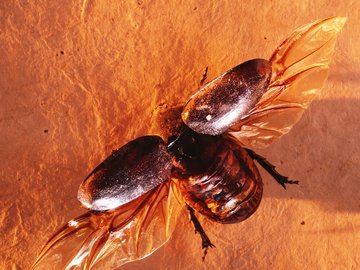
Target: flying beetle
x=208 y=166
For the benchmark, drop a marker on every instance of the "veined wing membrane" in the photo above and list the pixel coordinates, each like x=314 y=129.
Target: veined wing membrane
x=107 y=240
x=300 y=66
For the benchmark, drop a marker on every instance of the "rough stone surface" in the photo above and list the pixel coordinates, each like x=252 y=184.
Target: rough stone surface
x=80 y=78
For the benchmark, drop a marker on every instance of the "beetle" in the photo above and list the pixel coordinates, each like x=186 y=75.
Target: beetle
x=206 y=165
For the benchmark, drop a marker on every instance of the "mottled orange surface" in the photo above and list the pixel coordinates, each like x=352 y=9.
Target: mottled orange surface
x=80 y=78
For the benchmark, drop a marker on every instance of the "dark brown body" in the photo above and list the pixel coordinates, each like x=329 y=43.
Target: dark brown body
x=223 y=101
x=129 y=172
x=217 y=177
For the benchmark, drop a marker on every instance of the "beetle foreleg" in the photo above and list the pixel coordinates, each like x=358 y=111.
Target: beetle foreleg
x=206 y=243
x=282 y=180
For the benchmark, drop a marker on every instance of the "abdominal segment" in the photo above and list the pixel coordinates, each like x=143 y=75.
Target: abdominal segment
x=227 y=190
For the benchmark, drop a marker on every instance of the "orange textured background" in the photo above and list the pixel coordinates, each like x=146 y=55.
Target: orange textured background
x=80 y=78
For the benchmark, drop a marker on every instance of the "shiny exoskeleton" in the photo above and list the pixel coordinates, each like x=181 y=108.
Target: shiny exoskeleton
x=225 y=100
x=216 y=176
x=134 y=169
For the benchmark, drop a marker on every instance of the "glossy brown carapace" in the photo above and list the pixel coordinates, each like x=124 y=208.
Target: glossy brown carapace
x=217 y=177
x=225 y=100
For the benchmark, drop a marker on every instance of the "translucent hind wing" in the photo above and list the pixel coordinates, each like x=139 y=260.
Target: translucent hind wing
x=107 y=240
x=300 y=67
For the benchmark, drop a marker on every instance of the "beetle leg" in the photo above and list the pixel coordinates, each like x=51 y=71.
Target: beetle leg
x=282 y=180
x=206 y=243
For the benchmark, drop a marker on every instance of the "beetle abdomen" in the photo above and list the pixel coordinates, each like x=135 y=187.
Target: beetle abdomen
x=229 y=190
x=126 y=174
x=223 y=101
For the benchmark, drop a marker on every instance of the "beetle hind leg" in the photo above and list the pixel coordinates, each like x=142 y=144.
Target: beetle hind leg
x=281 y=179
x=206 y=243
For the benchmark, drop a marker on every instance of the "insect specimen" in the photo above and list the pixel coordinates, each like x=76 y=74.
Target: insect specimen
x=206 y=166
